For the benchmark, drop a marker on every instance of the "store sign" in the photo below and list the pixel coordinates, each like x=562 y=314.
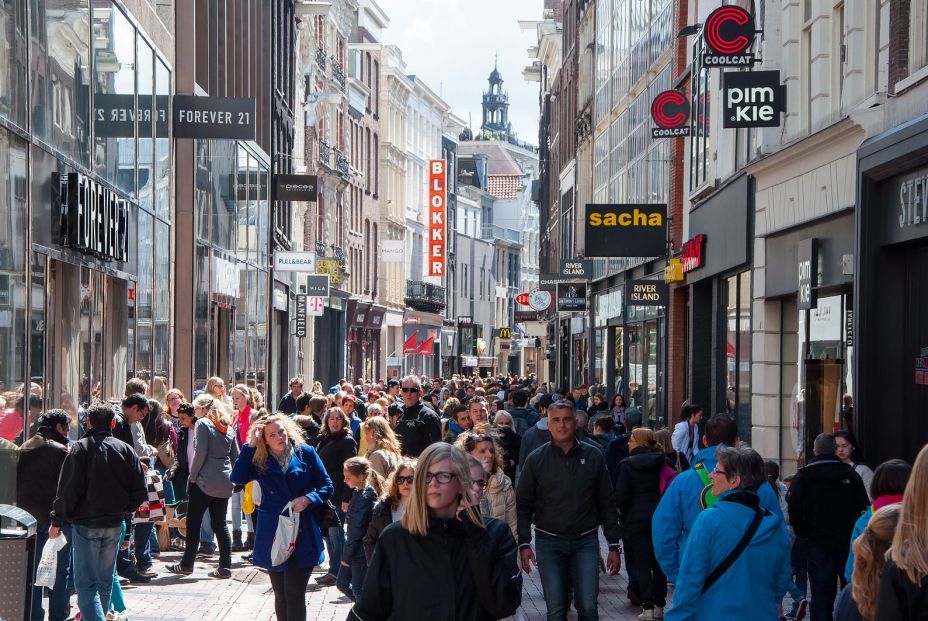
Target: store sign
x=317 y=285
x=438 y=203
x=226 y=280
x=94 y=219
x=626 y=230
x=808 y=273
x=752 y=99
x=692 y=257
x=571 y=296
x=504 y=333
x=393 y=251
x=331 y=267
x=577 y=269
x=465 y=321
x=469 y=361
x=670 y=111
x=913 y=200
x=548 y=282
x=115 y=116
x=300 y=331
x=315 y=305
x=729 y=32
x=301 y=262
x=539 y=299
x=296 y=187
x=229 y=118
x=646 y=293
x=849 y=327
x=524 y=316
x=674 y=271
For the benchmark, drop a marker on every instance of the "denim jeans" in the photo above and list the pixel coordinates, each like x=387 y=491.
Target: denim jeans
x=94 y=551
x=141 y=537
x=351 y=579
x=334 y=541
x=826 y=571
x=58 y=598
x=569 y=560
x=117 y=601
x=236 y=503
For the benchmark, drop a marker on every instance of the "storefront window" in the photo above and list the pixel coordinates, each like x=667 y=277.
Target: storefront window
x=38 y=321
x=599 y=356
x=13 y=61
x=146 y=87
x=201 y=191
x=162 y=174
x=145 y=295
x=162 y=300
x=263 y=217
x=61 y=76
x=114 y=88
x=620 y=386
x=241 y=324
x=201 y=318
x=223 y=158
x=737 y=389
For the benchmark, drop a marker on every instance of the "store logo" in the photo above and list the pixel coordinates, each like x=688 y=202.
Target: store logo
x=94 y=219
x=728 y=32
x=913 y=201
x=438 y=201
x=633 y=218
x=296 y=188
x=752 y=99
x=625 y=230
x=692 y=257
x=670 y=111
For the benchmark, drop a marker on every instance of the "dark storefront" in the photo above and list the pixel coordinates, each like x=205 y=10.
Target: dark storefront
x=719 y=308
x=330 y=335
x=364 y=322
x=890 y=329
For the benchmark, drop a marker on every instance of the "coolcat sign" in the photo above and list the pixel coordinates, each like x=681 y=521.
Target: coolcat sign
x=670 y=111
x=729 y=33
x=752 y=99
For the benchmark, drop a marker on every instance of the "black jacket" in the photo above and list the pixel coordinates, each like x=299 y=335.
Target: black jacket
x=40 y=461
x=101 y=483
x=287 y=405
x=638 y=487
x=417 y=428
x=511 y=443
x=180 y=471
x=899 y=598
x=457 y=571
x=381 y=517
x=334 y=450
x=566 y=494
x=824 y=500
x=357 y=519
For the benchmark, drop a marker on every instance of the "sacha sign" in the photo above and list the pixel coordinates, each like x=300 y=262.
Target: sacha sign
x=729 y=32
x=670 y=111
x=625 y=230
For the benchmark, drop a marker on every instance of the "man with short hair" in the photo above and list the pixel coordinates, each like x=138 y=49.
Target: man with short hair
x=101 y=482
x=824 y=501
x=538 y=434
x=689 y=494
x=459 y=423
x=40 y=462
x=393 y=389
x=418 y=427
x=565 y=492
x=479 y=412
x=288 y=403
x=522 y=417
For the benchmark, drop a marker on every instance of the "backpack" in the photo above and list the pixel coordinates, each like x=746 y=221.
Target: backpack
x=706 y=498
x=668 y=474
x=520 y=424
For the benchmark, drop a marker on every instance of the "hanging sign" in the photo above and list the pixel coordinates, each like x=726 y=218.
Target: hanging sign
x=315 y=305
x=670 y=111
x=539 y=299
x=295 y=187
x=729 y=32
x=304 y=262
x=230 y=118
x=437 y=214
x=577 y=269
x=571 y=296
x=392 y=251
x=646 y=293
x=674 y=271
x=808 y=274
x=626 y=230
x=692 y=257
x=548 y=281
x=317 y=285
x=115 y=115
x=752 y=99
x=93 y=218
x=300 y=331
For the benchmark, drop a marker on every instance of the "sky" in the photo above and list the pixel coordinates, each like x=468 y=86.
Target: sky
x=450 y=44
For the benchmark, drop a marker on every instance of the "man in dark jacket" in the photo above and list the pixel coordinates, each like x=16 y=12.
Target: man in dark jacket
x=825 y=499
x=288 y=403
x=418 y=427
x=537 y=434
x=564 y=490
x=522 y=418
x=101 y=483
x=40 y=462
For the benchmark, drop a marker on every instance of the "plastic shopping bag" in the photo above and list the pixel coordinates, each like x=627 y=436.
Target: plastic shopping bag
x=48 y=565
x=288 y=527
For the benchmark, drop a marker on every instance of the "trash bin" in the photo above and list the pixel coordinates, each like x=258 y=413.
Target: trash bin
x=17 y=563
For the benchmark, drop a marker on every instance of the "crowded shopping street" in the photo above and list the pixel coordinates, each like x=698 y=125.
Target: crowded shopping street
x=381 y=310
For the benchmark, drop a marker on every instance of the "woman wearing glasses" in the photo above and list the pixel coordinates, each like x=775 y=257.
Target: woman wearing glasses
x=392 y=505
x=499 y=499
x=442 y=560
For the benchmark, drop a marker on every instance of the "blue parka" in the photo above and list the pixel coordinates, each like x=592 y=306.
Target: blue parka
x=754 y=585
x=679 y=507
x=305 y=476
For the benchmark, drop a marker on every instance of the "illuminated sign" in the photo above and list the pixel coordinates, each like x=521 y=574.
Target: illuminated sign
x=94 y=219
x=438 y=200
x=626 y=230
x=729 y=32
x=670 y=111
x=692 y=257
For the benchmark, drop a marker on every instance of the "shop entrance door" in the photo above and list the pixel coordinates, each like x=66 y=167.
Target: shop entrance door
x=645 y=371
x=222 y=322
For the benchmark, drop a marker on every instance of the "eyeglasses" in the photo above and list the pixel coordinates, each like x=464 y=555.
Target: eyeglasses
x=406 y=480
x=481 y=483
x=721 y=472
x=409 y=389
x=442 y=477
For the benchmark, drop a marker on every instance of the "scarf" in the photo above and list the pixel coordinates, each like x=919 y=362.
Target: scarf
x=214 y=418
x=884 y=501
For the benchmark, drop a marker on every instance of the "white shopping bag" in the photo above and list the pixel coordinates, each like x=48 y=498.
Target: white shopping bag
x=48 y=565
x=288 y=527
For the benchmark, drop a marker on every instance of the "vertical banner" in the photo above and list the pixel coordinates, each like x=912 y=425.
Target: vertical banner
x=438 y=201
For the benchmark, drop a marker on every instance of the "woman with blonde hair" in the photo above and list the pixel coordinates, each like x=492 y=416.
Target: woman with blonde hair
x=903 y=594
x=499 y=497
x=383 y=449
x=442 y=540
x=288 y=471
x=392 y=505
x=216 y=387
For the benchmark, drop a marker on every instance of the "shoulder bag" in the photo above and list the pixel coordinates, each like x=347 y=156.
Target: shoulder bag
x=729 y=560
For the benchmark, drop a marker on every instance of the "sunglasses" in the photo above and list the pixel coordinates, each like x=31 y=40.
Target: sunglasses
x=408 y=389
x=404 y=480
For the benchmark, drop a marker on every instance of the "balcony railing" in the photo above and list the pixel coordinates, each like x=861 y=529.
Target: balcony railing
x=341 y=164
x=491 y=231
x=425 y=296
x=324 y=149
x=320 y=57
x=339 y=73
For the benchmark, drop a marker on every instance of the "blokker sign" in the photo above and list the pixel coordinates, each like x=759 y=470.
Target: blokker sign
x=752 y=99
x=438 y=202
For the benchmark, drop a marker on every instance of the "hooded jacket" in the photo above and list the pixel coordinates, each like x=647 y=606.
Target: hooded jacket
x=40 y=462
x=638 y=487
x=824 y=500
x=502 y=499
x=457 y=571
x=679 y=508
x=757 y=580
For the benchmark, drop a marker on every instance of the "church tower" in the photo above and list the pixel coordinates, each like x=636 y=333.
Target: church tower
x=496 y=108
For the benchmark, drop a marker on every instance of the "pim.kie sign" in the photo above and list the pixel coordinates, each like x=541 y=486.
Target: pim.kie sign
x=438 y=203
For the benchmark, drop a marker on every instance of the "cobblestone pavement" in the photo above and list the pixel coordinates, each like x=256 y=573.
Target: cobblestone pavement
x=248 y=597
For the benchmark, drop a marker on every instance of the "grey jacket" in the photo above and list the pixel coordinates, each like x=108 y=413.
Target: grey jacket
x=213 y=456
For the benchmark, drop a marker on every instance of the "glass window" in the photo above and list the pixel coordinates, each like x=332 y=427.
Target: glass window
x=201 y=191
x=114 y=90
x=38 y=321
x=241 y=323
x=619 y=362
x=162 y=143
x=264 y=215
x=146 y=86
x=45 y=197
x=261 y=331
x=222 y=184
x=13 y=61
x=162 y=312
x=737 y=389
x=243 y=195
x=60 y=70
x=145 y=295
x=201 y=317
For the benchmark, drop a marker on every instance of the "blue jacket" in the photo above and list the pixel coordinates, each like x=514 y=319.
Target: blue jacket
x=754 y=585
x=305 y=476
x=679 y=508
x=357 y=519
x=859 y=526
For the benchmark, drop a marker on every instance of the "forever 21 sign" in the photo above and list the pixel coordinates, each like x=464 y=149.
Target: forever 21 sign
x=94 y=220
x=230 y=118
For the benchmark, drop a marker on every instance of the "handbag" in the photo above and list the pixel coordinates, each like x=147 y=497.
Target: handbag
x=153 y=509
x=284 y=542
x=327 y=516
x=729 y=560
x=166 y=453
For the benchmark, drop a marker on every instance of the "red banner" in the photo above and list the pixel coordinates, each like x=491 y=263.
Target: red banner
x=438 y=203
x=411 y=345
x=427 y=346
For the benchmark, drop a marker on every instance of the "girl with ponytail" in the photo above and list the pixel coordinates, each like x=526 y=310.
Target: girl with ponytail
x=368 y=486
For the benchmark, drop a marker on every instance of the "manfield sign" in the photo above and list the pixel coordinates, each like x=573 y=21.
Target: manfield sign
x=626 y=230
